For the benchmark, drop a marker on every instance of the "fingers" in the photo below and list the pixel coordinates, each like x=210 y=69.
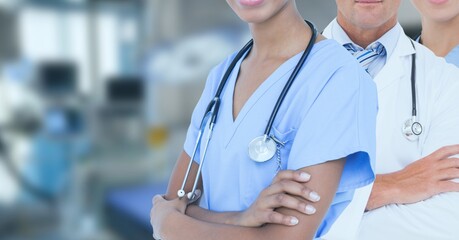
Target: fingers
x=155 y=236
x=287 y=201
x=292 y=188
x=157 y=198
x=449 y=173
x=445 y=152
x=289 y=181
x=278 y=218
x=450 y=163
x=299 y=176
x=448 y=186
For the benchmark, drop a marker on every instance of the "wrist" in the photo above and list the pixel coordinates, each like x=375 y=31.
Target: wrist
x=384 y=191
x=168 y=224
x=234 y=218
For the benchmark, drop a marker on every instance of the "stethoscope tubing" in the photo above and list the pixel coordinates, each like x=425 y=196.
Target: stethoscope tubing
x=181 y=192
x=413 y=82
x=289 y=83
x=229 y=70
x=212 y=108
x=196 y=180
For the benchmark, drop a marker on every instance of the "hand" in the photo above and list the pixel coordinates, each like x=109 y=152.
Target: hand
x=162 y=209
x=418 y=181
x=287 y=190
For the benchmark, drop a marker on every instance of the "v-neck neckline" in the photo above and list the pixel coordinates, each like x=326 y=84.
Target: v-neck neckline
x=275 y=76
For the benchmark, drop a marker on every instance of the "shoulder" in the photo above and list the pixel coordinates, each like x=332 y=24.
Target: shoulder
x=334 y=53
x=216 y=73
x=332 y=76
x=428 y=66
x=435 y=69
x=220 y=69
x=437 y=79
x=340 y=67
x=428 y=58
x=453 y=56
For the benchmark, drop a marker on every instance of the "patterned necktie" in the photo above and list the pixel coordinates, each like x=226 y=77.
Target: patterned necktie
x=366 y=56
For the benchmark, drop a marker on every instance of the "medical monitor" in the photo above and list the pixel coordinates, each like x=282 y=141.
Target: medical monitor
x=57 y=78
x=125 y=89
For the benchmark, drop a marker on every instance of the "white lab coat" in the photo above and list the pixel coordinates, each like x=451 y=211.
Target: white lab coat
x=437 y=85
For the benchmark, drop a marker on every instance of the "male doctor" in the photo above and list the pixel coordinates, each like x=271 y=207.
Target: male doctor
x=414 y=195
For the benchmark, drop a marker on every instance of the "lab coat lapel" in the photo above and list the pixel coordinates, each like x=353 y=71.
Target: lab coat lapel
x=328 y=30
x=397 y=66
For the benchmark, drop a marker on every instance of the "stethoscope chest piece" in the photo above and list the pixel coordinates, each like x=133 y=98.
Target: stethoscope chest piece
x=262 y=148
x=416 y=128
x=411 y=129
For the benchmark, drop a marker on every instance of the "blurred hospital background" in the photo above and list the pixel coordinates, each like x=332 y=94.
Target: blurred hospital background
x=95 y=100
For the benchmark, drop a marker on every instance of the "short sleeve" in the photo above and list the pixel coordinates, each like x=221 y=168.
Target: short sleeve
x=340 y=202
x=340 y=123
x=198 y=113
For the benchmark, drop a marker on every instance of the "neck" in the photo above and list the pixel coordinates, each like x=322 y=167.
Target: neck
x=364 y=36
x=440 y=37
x=283 y=35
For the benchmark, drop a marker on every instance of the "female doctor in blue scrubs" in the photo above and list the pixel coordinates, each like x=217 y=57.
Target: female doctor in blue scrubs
x=325 y=126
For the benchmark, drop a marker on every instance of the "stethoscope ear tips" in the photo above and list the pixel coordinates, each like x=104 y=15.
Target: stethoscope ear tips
x=192 y=196
x=181 y=193
x=411 y=129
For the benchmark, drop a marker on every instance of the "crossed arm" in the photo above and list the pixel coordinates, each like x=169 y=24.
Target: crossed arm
x=431 y=175
x=418 y=181
x=170 y=222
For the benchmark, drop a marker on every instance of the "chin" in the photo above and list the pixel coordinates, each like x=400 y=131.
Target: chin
x=253 y=17
x=368 y=23
x=443 y=16
x=370 y=20
x=256 y=20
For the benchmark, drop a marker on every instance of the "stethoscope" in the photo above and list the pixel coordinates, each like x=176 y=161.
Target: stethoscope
x=261 y=148
x=412 y=128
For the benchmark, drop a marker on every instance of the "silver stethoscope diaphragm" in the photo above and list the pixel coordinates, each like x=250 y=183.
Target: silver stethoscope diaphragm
x=262 y=148
x=411 y=129
x=416 y=128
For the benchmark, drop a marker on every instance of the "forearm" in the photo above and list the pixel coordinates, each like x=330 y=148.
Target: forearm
x=176 y=225
x=193 y=210
x=180 y=227
x=196 y=212
x=383 y=193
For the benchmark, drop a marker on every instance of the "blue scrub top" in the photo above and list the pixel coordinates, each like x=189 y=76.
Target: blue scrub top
x=453 y=56
x=329 y=113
